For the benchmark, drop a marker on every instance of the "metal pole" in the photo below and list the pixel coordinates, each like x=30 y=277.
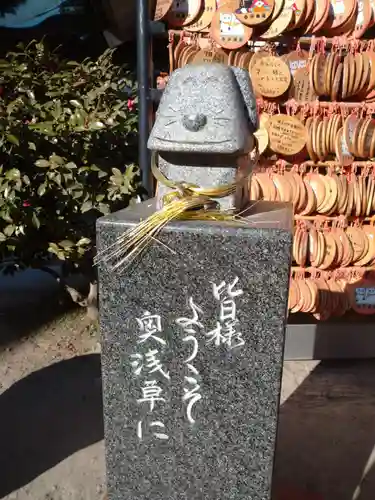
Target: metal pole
x=144 y=106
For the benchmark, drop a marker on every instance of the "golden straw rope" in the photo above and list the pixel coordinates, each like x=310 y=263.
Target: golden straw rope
x=178 y=204
x=217 y=192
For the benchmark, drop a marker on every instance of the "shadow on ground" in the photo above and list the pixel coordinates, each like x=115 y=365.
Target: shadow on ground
x=29 y=300
x=327 y=431
x=27 y=319
x=48 y=416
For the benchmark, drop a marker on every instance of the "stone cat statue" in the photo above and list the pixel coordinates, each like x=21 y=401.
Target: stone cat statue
x=203 y=130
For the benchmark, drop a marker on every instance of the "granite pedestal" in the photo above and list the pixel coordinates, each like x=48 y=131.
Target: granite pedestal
x=192 y=349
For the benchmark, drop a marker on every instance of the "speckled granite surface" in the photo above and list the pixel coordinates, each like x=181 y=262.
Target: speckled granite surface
x=206 y=171
x=208 y=108
x=203 y=130
x=228 y=452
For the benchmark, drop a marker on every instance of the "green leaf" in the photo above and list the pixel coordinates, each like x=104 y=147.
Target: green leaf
x=104 y=209
x=117 y=172
x=68 y=177
x=96 y=126
x=42 y=163
x=32 y=146
x=12 y=105
x=45 y=128
x=9 y=230
x=56 y=159
x=56 y=93
x=13 y=139
x=58 y=179
x=53 y=248
x=42 y=189
x=66 y=244
x=75 y=103
x=35 y=220
x=78 y=119
x=77 y=194
x=5 y=216
x=119 y=106
x=83 y=241
x=2 y=237
x=86 y=206
x=61 y=255
x=13 y=174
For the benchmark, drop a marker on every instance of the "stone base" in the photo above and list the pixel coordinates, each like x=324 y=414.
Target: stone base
x=216 y=172
x=214 y=298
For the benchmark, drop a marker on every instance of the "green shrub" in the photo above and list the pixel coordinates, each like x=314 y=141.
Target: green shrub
x=67 y=151
x=68 y=134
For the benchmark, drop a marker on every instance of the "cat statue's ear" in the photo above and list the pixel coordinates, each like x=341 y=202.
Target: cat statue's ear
x=246 y=88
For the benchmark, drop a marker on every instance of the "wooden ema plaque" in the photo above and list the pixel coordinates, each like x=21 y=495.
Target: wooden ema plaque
x=363 y=18
x=162 y=8
x=270 y=18
x=270 y=76
x=255 y=12
x=211 y=55
x=287 y=135
x=343 y=77
x=342 y=185
x=362 y=296
x=262 y=138
x=228 y=31
x=204 y=17
x=281 y=23
x=183 y=12
x=301 y=89
x=342 y=151
x=340 y=11
x=296 y=60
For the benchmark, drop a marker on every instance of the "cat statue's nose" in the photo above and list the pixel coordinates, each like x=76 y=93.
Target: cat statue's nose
x=194 y=122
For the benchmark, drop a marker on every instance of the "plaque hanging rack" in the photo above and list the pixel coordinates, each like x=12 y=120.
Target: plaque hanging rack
x=333 y=218
x=307 y=41
x=307 y=339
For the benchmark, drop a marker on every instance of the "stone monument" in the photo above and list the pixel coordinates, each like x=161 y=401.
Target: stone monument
x=193 y=332
x=203 y=133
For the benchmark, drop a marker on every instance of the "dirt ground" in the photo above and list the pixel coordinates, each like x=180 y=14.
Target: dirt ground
x=51 y=432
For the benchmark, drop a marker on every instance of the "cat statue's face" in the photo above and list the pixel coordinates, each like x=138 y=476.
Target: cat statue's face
x=206 y=108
